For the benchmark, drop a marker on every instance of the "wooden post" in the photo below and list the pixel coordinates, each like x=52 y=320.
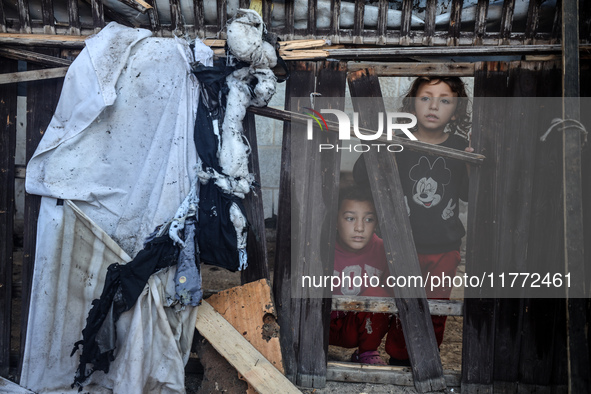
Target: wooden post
x=490 y=79
x=544 y=320
x=300 y=84
x=315 y=180
x=42 y=98
x=398 y=242
x=578 y=346
x=258 y=267
x=8 y=96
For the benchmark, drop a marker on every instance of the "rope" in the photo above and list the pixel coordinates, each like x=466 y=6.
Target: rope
x=568 y=124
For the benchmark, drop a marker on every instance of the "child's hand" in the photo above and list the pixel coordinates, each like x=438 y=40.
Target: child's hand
x=469 y=149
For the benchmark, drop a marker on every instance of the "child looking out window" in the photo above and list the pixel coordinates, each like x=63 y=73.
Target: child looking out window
x=432 y=185
x=359 y=252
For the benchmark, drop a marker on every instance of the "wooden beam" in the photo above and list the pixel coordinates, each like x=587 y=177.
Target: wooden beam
x=300 y=84
x=42 y=99
x=34 y=57
x=248 y=361
x=8 y=387
x=8 y=109
x=577 y=311
x=388 y=305
x=250 y=310
x=138 y=5
x=397 y=52
x=258 y=266
x=479 y=312
x=399 y=376
x=42 y=40
x=34 y=75
x=289 y=116
x=389 y=69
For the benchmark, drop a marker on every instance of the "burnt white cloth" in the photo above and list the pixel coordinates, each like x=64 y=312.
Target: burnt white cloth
x=121 y=147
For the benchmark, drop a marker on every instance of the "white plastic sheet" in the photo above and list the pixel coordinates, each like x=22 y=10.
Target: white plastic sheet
x=120 y=145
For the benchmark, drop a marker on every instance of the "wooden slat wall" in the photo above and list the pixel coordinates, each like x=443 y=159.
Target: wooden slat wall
x=490 y=79
x=358 y=34
x=300 y=84
x=514 y=139
x=544 y=320
x=48 y=19
x=2 y=19
x=8 y=96
x=98 y=15
x=258 y=266
x=42 y=98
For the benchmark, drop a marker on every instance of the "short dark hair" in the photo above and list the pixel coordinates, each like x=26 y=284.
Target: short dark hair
x=463 y=120
x=355 y=194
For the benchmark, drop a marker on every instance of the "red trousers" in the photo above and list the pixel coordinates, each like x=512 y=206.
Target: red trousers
x=435 y=264
x=364 y=330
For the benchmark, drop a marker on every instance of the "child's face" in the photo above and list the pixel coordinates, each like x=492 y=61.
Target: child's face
x=435 y=105
x=356 y=224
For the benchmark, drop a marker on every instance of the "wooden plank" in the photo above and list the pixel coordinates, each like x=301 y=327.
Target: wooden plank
x=199 y=18
x=74 y=18
x=8 y=387
x=222 y=6
x=533 y=17
x=256 y=247
x=455 y=23
x=387 y=69
x=248 y=361
x=250 y=310
x=388 y=305
x=290 y=116
x=47 y=17
x=577 y=307
x=398 y=242
x=399 y=376
x=358 y=22
x=8 y=96
x=299 y=85
x=490 y=79
x=311 y=28
x=335 y=7
x=176 y=18
x=98 y=15
x=155 y=25
x=395 y=52
x=506 y=21
x=315 y=178
x=267 y=12
x=480 y=21
x=2 y=18
x=23 y=13
x=430 y=22
x=382 y=27
x=33 y=75
x=42 y=98
x=138 y=5
x=544 y=318
x=405 y=22
x=30 y=56
x=515 y=139
x=42 y=40
x=289 y=20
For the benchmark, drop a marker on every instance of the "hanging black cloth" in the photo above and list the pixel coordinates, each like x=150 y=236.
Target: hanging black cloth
x=215 y=234
x=123 y=285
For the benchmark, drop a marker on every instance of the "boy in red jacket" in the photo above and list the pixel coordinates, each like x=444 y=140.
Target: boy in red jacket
x=360 y=262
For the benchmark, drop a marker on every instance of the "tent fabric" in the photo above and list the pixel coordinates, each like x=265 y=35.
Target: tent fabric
x=120 y=145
